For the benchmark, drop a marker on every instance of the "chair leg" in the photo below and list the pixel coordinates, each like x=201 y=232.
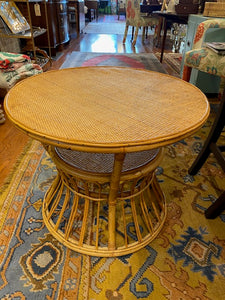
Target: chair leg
x=125 y=34
x=157 y=36
x=210 y=147
x=132 y=34
x=216 y=208
x=143 y=34
x=210 y=143
x=186 y=73
x=135 y=36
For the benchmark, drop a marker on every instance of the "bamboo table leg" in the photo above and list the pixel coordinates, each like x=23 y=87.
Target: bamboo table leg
x=114 y=186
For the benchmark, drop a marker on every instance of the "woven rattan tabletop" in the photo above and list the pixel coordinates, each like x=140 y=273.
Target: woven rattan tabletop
x=106 y=109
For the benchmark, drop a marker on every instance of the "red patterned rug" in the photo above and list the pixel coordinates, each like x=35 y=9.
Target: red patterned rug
x=142 y=60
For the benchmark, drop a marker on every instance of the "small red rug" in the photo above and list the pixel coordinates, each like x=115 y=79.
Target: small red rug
x=141 y=60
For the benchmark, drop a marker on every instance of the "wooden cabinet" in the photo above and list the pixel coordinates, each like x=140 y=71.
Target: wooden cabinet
x=76 y=7
x=209 y=84
x=63 y=25
x=57 y=23
x=29 y=34
x=81 y=15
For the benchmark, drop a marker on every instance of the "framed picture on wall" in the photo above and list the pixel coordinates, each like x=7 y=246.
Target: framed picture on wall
x=13 y=18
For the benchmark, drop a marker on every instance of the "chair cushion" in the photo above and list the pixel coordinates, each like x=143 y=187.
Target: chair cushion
x=206 y=60
x=134 y=16
x=142 y=21
x=15 y=67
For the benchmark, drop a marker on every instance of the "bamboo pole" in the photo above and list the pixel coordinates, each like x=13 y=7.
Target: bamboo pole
x=114 y=185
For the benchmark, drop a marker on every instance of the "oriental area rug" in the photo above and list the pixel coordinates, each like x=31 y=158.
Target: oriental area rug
x=142 y=60
x=185 y=261
x=172 y=59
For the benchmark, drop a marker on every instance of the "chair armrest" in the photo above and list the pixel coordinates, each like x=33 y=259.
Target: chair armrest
x=203 y=27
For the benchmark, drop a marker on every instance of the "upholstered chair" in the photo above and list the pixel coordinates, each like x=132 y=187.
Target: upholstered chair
x=203 y=58
x=136 y=19
x=208 y=61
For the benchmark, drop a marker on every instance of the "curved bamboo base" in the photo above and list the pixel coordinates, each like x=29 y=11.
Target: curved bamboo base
x=78 y=212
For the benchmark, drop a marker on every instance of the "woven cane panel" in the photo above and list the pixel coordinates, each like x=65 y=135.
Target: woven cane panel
x=103 y=162
x=106 y=106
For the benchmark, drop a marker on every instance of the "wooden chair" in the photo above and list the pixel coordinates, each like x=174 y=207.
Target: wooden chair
x=211 y=146
x=135 y=19
x=121 y=8
x=208 y=61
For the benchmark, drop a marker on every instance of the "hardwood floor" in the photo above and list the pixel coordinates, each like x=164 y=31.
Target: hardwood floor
x=13 y=140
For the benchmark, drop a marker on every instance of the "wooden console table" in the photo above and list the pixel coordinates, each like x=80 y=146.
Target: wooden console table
x=166 y=19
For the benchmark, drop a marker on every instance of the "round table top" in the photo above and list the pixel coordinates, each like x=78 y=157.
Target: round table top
x=106 y=109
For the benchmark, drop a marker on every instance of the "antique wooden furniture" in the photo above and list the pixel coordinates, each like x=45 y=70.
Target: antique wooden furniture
x=167 y=19
x=30 y=33
x=76 y=7
x=149 y=8
x=214 y=8
x=92 y=5
x=208 y=61
x=105 y=137
x=57 y=22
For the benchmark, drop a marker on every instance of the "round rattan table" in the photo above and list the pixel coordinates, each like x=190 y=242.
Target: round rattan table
x=105 y=128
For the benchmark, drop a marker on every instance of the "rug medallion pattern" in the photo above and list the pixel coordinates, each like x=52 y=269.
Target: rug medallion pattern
x=185 y=261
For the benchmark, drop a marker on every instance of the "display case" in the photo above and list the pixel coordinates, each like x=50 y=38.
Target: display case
x=20 y=26
x=57 y=22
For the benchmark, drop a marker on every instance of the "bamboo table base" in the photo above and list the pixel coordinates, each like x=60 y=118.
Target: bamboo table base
x=110 y=208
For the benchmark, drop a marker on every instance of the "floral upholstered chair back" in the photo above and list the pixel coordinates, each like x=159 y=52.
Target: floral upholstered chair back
x=135 y=19
x=201 y=57
x=133 y=12
x=203 y=27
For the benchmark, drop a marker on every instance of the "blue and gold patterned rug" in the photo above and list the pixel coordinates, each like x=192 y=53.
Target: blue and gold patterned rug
x=186 y=261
